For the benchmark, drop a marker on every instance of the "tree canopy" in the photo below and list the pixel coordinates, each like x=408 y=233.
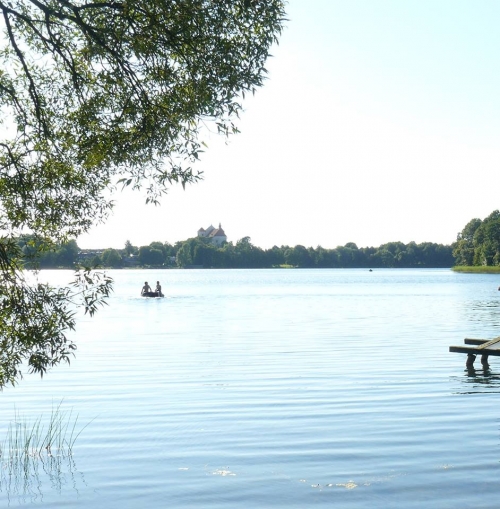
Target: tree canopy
x=98 y=95
x=479 y=242
x=92 y=91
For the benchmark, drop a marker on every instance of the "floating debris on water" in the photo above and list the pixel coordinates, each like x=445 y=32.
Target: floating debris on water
x=348 y=485
x=223 y=472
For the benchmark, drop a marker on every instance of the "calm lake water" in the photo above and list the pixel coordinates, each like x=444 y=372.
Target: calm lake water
x=272 y=388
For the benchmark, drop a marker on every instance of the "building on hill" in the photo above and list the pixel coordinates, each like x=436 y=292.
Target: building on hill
x=216 y=235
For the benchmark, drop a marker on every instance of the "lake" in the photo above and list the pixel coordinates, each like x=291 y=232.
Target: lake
x=271 y=388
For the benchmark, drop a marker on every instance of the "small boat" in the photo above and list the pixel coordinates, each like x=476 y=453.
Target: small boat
x=152 y=294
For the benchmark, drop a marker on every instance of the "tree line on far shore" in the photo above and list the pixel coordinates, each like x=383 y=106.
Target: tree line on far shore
x=201 y=253
x=478 y=244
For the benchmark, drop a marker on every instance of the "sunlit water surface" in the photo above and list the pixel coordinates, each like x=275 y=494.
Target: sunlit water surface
x=272 y=388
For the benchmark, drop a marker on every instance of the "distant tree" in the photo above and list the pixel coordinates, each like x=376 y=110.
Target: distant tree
x=204 y=254
x=150 y=256
x=144 y=255
x=436 y=255
x=67 y=253
x=226 y=256
x=463 y=250
x=63 y=255
x=408 y=257
x=157 y=245
x=274 y=256
x=326 y=258
x=156 y=257
x=394 y=247
x=184 y=256
x=246 y=255
x=487 y=243
x=383 y=258
x=195 y=251
x=347 y=255
x=170 y=252
x=130 y=249
x=298 y=257
x=111 y=258
x=479 y=242
x=366 y=253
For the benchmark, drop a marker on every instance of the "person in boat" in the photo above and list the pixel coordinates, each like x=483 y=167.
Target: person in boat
x=146 y=288
x=158 y=289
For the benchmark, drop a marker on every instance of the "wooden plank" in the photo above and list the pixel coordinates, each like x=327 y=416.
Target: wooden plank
x=475 y=350
x=471 y=341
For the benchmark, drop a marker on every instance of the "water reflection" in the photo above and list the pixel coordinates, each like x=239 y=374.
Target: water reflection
x=27 y=478
x=477 y=381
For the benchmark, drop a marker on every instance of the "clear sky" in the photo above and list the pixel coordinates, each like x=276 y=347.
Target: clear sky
x=380 y=121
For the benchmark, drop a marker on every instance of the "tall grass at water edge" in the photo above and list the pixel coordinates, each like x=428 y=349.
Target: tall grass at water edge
x=27 y=444
x=477 y=269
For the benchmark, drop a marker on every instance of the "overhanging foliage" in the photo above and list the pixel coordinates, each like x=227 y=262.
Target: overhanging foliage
x=99 y=94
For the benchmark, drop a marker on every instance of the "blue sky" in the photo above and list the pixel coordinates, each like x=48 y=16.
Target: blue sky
x=380 y=121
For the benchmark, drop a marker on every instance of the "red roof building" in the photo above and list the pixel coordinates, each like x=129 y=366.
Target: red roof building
x=216 y=235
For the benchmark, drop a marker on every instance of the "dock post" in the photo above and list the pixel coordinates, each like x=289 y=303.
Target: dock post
x=484 y=361
x=470 y=360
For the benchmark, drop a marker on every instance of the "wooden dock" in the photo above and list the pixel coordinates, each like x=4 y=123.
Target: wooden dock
x=483 y=347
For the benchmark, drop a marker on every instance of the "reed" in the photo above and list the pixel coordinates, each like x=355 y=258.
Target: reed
x=479 y=269
x=26 y=442
x=40 y=450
